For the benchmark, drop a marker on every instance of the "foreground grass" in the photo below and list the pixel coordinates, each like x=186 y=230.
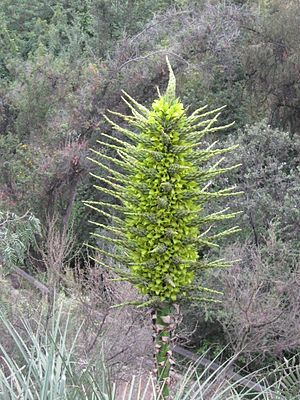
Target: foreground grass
x=43 y=366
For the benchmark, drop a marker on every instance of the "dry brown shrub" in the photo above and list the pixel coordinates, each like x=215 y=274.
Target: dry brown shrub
x=261 y=305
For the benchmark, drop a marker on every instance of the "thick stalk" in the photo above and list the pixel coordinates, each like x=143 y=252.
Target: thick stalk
x=163 y=325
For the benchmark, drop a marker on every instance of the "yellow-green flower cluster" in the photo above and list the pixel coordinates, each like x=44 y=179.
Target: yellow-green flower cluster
x=160 y=224
x=157 y=179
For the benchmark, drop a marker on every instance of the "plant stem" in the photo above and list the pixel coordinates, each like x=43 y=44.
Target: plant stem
x=163 y=326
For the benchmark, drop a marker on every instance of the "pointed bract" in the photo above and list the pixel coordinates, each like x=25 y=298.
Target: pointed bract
x=171 y=88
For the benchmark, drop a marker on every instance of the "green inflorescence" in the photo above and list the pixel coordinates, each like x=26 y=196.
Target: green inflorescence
x=162 y=255
x=160 y=182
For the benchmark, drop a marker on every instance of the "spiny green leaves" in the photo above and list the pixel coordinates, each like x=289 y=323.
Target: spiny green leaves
x=161 y=181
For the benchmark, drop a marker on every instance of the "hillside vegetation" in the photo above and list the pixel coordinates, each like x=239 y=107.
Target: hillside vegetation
x=63 y=64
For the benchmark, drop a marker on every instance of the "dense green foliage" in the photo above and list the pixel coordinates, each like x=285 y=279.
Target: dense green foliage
x=17 y=234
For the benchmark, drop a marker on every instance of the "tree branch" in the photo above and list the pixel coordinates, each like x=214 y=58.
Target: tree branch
x=34 y=282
